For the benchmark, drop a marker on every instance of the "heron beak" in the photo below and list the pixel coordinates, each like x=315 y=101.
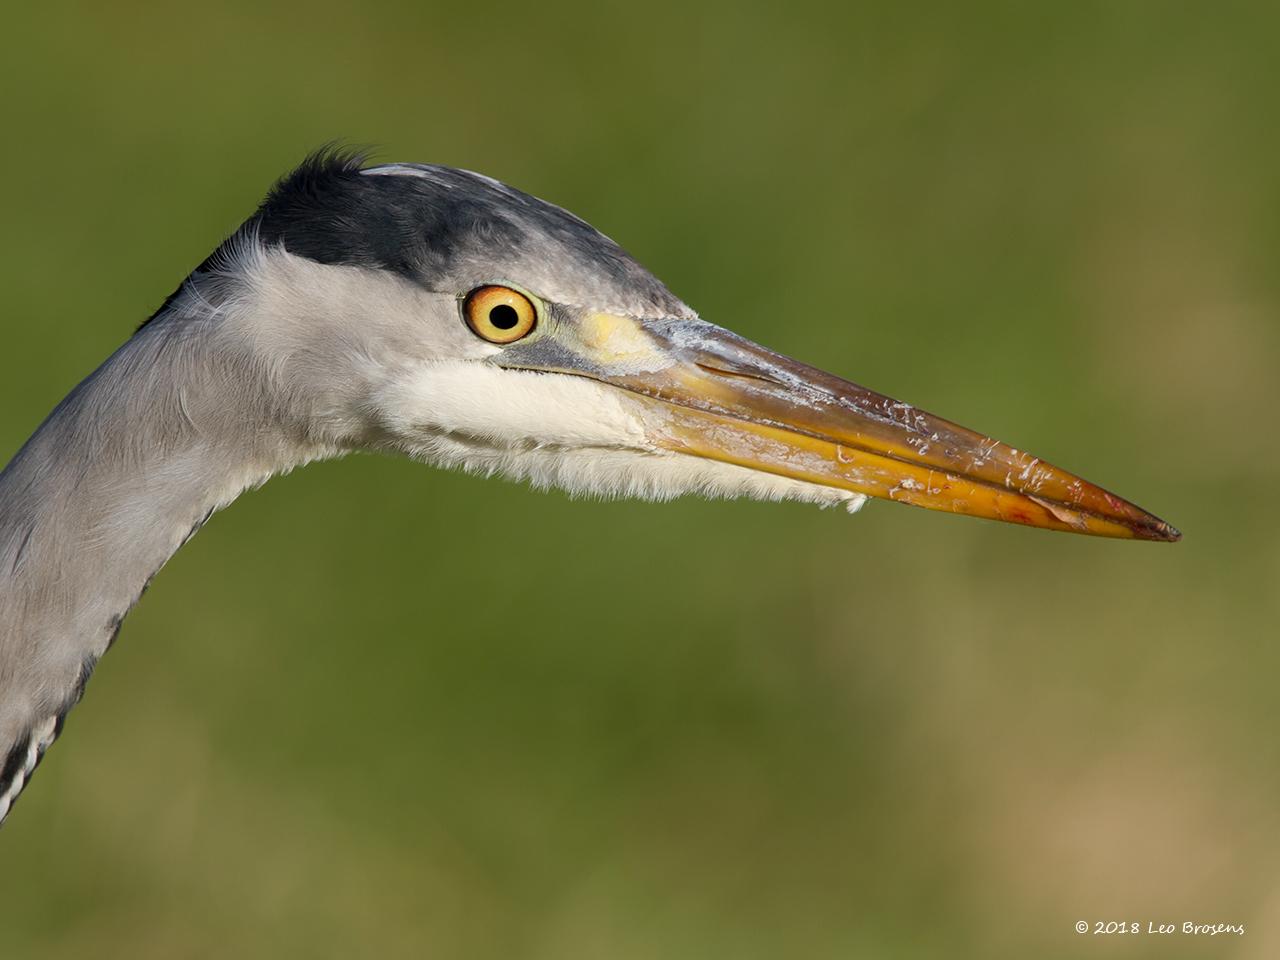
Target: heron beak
x=720 y=396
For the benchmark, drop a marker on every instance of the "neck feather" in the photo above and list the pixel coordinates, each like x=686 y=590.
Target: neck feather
x=128 y=466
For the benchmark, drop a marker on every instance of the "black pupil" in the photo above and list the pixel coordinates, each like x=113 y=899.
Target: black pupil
x=504 y=316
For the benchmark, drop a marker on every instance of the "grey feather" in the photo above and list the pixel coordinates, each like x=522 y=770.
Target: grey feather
x=277 y=350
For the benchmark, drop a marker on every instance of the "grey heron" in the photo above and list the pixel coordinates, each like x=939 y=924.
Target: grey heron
x=440 y=314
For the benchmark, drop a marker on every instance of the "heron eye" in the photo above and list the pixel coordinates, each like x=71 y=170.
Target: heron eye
x=499 y=314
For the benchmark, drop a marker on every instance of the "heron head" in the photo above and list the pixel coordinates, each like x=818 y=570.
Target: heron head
x=448 y=316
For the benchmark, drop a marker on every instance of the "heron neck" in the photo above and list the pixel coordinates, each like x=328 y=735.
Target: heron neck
x=126 y=468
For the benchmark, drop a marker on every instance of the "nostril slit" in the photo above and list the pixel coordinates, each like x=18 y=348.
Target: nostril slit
x=742 y=374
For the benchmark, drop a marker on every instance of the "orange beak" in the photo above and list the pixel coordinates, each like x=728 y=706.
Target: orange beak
x=729 y=399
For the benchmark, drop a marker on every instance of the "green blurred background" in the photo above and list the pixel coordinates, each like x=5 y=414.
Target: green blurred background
x=380 y=710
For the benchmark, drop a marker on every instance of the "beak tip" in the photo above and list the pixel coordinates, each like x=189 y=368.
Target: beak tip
x=1160 y=532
